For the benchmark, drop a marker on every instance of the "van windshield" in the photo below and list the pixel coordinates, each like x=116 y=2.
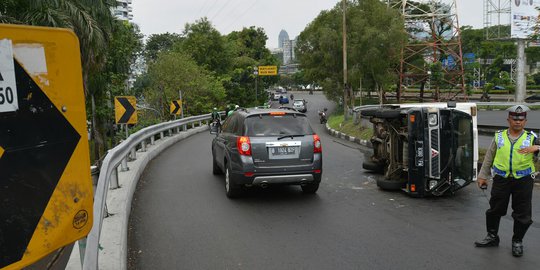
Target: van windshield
x=277 y=125
x=462 y=140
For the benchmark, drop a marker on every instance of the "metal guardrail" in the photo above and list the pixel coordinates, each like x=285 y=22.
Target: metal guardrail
x=108 y=175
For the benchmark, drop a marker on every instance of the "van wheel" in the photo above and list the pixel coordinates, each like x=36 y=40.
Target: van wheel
x=232 y=189
x=372 y=166
x=310 y=188
x=390 y=185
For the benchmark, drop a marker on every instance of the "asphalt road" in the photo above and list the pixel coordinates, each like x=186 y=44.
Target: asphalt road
x=181 y=219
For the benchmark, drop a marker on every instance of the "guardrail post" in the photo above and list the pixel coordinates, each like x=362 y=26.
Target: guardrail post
x=143 y=146
x=152 y=139
x=133 y=153
x=184 y=128
x=179 y=129
x=200 y=123
x=114 y=179
x=94 y=171
x=125 y=167
x=161 y=135
x=82 y=249
x=192 y=124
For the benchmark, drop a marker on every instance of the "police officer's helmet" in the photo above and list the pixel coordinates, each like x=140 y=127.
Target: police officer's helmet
x=518 y=112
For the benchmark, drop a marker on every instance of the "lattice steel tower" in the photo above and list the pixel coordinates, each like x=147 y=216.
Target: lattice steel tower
x=433 y=57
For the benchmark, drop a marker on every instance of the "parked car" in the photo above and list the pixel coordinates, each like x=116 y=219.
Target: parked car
x=499 y=87
x=277 y=95
x=262 y=147
x=533 y=98
x=283 y=99
x=300 y=105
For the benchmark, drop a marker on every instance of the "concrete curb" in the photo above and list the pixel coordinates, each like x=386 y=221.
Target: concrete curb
x=114 y=235
x=341 y=135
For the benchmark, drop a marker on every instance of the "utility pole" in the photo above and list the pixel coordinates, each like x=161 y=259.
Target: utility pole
x=256 y=73
x=345 y=90
x=521 y=81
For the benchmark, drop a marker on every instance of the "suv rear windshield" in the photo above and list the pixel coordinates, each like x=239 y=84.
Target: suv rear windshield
x=276 y=125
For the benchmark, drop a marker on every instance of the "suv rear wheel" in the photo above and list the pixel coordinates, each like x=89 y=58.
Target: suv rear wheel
x=215 y=167
x=232 y=189
x=310 y=188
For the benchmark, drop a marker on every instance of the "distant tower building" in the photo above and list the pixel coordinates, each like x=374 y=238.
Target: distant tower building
x=287 y=52
x=283 y=36
x=123 y=10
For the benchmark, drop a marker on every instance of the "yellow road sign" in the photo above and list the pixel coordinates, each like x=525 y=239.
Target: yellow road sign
x=267 y=70
x=124 y=110
x=46 y=198
x=176 y=107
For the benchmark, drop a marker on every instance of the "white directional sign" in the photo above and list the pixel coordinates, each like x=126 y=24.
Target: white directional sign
x=8 y=87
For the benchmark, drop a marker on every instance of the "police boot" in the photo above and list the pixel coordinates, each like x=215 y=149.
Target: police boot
x=519 y=231
x=517 y=240
x=491 y=240
x=517 y=248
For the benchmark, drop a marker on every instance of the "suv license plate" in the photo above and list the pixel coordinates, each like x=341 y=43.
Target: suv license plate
x=282 y=152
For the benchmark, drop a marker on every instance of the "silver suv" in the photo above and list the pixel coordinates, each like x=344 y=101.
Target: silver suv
x=300 y=105
x=262 y=147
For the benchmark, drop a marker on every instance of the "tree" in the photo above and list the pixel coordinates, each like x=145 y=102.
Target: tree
x=206 y=46
x=248 y=51
x=174 y=71
x=375 y=34
x=157 y=43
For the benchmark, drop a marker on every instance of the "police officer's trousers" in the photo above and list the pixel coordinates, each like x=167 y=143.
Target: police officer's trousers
x=521 y=192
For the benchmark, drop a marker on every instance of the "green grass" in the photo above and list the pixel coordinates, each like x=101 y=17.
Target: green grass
x=348 y=127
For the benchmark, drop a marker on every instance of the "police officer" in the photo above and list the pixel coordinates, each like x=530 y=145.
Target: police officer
x=511 y=157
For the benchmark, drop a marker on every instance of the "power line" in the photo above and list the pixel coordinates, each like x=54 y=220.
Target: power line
x=210 y=9
x=220 y=10
x=202 y=7
x=233 y=9
x=241 y=15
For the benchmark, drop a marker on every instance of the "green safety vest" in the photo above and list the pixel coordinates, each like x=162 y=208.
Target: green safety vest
x=507 y=161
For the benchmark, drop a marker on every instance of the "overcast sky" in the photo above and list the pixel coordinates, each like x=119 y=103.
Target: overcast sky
x=160 y=16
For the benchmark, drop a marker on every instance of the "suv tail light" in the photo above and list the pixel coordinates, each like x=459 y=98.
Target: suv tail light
x=317 y=147
x=244 y=145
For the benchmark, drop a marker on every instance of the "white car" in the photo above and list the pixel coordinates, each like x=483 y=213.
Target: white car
x=300 y=105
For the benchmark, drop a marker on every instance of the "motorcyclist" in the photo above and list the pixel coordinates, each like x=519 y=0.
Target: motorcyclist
x=216 y=117
x=292 y=97
x=231 y=111
x=322 y=116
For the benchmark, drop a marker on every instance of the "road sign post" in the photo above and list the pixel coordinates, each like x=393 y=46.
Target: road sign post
x=46 y=196
x=256 y=73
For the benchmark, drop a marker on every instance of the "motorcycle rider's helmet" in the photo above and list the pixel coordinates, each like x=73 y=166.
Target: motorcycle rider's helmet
x=325 y=109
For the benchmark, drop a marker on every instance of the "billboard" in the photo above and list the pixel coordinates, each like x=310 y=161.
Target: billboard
x=523 y=18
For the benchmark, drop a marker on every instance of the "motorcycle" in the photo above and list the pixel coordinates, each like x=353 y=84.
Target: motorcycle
x=214 y=126
x=322 y=116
